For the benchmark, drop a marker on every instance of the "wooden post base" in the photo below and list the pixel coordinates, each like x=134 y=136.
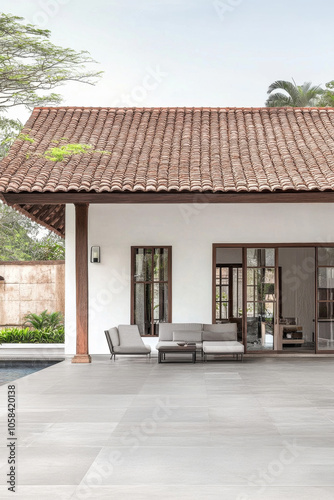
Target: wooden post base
x=81 y=358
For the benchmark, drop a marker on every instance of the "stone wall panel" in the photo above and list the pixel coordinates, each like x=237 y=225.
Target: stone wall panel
x=30 y=287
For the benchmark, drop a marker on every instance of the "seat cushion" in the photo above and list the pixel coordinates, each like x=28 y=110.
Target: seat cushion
x=221 y=331
x=223 y=348
x=129 y=336
x=187 y=336
x=114 y=337
x=144 y=349
x=166 y=329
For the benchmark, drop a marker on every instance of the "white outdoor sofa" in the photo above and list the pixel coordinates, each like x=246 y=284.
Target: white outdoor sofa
x=126 y=340
x=213 y=340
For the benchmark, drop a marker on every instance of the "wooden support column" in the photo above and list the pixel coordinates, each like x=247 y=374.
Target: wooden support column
x=81 y=265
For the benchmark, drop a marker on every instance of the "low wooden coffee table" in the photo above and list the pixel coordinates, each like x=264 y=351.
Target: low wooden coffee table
x=187 y=349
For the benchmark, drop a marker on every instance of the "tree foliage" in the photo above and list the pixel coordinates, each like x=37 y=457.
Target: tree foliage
x=9 y=129
x=23 y=239
x=327 y=99
x=284 y=93
x=31 y=67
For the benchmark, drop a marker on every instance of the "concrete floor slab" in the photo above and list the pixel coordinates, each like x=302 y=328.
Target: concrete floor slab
x=134 y=429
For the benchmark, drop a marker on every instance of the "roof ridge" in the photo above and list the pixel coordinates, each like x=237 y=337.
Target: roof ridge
x=191 y=108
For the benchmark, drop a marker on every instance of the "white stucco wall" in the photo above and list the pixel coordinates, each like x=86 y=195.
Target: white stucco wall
x=190 y=230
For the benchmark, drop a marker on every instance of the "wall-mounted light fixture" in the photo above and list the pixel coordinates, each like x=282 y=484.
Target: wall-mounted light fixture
x=95 y=254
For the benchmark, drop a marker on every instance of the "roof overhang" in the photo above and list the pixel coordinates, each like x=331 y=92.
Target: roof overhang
x=48 y=209
x=48 y=198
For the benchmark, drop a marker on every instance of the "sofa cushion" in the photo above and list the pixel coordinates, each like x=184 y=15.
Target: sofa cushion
x=129 y=336
x=227 y=331
x=144 y=349
x=223 y=348
x=114 y=337
x=187 y=335
x=166 y=329
x=215 y=336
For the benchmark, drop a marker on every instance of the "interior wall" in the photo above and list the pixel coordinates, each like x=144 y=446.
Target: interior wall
x=190 y=229
x=298 y=287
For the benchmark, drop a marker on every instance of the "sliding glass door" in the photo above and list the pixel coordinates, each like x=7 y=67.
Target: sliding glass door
x=281 y=296
x=261 y=272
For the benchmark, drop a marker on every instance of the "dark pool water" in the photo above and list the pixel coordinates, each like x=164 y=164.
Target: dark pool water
x=12 y=370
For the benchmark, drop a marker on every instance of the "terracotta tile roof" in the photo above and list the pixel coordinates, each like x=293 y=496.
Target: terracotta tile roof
x=175 y=149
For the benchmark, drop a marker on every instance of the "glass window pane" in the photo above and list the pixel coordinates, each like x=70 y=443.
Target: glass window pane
x=326 y=256
x=143 y=264
x=253 y=309
x=326 y=310
x=260 y=327
x=161 y=264
x=160 y=305
x=261 y=285
x=326 y=294
x=250 y=293
x=270 y=257
x=139 y=264
x=326 y=279
x=235 y=293
x=224 y=310
x=251 y=276
x=217 y=310
x=260 y=257
x=143 y=307
x=326 y=335
x=225 y=275
x=139 y=305
x=252 y=257
x=148 y=264
x=240 y=292
x=224 y=293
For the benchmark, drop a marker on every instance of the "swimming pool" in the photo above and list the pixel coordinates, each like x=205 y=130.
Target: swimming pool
x=11 y=370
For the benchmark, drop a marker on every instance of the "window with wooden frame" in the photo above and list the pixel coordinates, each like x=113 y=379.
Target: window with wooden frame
x=151 y=288
x=228 y=291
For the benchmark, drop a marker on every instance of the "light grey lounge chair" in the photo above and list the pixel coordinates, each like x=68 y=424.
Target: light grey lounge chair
x=126 y=339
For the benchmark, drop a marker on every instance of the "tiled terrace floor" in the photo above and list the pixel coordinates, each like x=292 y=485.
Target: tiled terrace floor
x=134 y=429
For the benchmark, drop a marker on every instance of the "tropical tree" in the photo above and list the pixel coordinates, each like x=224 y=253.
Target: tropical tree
x=327 y=99
x=30 y=68
x=283 y=93
x=23 y=239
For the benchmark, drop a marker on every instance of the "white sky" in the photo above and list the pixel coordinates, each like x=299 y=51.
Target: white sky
x=209 y=52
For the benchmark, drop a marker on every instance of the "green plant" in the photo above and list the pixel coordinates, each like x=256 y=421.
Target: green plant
x=44 y=320
x=61 y=152
x=284 y=93
x=26 y=336
x=25 y=137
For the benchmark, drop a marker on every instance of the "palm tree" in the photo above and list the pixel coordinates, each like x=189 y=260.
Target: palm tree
x=296 y=96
